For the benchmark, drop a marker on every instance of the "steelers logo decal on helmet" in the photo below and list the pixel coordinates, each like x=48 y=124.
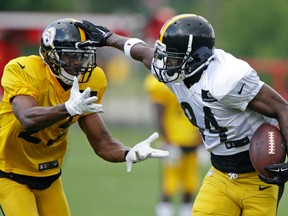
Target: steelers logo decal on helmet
x=48 y=36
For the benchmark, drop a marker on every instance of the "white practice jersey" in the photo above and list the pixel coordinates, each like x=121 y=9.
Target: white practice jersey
x=217 y=104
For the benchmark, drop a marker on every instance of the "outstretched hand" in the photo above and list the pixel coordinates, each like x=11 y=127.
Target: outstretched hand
x=80 y=103
x=142 y=151
x=280 y=171
x=97 y=35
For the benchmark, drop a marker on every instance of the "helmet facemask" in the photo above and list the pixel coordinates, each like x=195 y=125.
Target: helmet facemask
x=167 y=66
x=66 y=63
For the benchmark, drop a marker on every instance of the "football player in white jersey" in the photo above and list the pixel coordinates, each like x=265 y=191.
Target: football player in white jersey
x=224 y=97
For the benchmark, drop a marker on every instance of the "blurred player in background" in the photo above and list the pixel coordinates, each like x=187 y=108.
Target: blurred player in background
x=224 y=97
x=43 y=96
x=180 y=170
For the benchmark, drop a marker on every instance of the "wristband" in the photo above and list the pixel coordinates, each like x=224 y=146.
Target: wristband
x=129 y=44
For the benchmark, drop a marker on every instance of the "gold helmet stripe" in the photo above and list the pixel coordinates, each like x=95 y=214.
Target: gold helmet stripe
x=81 y=32
x=173 y=19
x=82 y=35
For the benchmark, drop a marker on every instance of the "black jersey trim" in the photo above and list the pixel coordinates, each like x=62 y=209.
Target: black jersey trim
x=39 y=183
x=237 y=163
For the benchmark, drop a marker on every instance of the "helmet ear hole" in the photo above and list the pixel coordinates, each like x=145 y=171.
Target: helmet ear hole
x=198 y=58
x=202 y=54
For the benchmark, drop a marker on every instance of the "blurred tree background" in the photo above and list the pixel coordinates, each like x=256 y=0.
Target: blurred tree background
x=248 y=29
x=245 y=28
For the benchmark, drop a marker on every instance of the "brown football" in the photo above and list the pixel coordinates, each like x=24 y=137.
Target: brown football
x=267 y=147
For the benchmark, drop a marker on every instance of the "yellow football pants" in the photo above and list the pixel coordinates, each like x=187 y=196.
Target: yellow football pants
x=182 y=175
x=235 y=195
x=17 y=199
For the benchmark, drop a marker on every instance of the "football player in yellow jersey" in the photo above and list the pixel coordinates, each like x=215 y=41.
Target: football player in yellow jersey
x=180 y=169
x=43 y=96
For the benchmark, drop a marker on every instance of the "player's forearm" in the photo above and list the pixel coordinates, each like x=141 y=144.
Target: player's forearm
x=37 y=118
x=117 y=41
x=283 y=125
x=107 y=147
x=139 y=51
x=103 y=144
x=113 y=152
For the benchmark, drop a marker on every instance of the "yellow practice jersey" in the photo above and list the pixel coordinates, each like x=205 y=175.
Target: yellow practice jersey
x=39 y=153
x=177 y=126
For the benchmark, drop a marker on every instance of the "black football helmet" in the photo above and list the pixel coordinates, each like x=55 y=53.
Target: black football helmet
x=60 y=52
x=185 y=46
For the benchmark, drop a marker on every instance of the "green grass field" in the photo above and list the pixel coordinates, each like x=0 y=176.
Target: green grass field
x=97 y=188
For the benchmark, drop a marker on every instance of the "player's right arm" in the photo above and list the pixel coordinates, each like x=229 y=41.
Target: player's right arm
x=34 y=117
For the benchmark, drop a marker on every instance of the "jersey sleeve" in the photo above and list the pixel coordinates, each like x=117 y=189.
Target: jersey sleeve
x=16 y=81
x=244 y=91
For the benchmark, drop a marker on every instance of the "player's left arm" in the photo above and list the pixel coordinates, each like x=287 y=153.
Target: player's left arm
x=132 y=47
x=111 y=149
x=269 y=103
x=103 y=144
x=101 y=36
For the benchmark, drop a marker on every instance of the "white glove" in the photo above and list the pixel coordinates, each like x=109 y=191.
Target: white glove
x=80 y=103
x=142 y=151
